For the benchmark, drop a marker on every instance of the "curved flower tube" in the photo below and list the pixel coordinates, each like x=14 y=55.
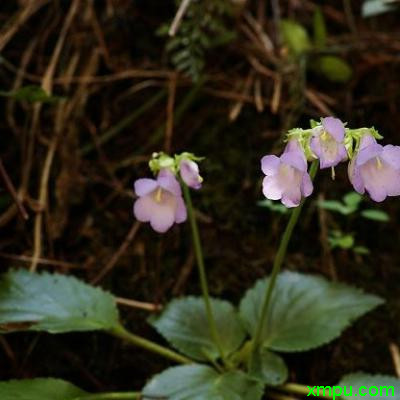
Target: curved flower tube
x=327 y=142
x=376 y=169
x=189 y=171
x=287 y=178
x=160 y=201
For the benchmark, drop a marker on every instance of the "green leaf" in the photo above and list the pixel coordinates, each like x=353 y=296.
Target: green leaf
x=375 y=215
x=352 y=199
x=319 y=29
x=32 y=94
x=39 y=389
x=305 y=311
x=273 y=206
x=295 y=37
x=184 y=324
x=334 y=68
x=54 y=303
x=269 y=367
x=341 y=240
x=371 y=386
x=336 y=206
x=198 y=382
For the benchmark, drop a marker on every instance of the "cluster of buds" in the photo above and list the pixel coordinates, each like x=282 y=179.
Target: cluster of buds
x=160 y=200
x=372 y=168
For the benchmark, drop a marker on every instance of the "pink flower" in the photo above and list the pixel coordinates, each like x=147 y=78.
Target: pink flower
x=287 y=178
x=160 y=201
x=189 y=171
x=327 y=142
x=376 y=169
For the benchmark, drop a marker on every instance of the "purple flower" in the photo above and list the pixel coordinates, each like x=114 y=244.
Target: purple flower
x=287 y=177
x=189 y=171
x=376 y=169
x=160 y=201
x=327 y=142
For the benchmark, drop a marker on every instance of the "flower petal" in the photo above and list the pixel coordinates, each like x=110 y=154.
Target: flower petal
x=189 y=171
x=335 y=127
x=163 y=213
x=295 y=159
x=306 y=185
x=315 y=146
x=391 y=154
x=355 y=177
x=292 y=197
x=270 y=164
x=368 y=152
x=367 y=140
x=143 y=208
x=180 y=213
x=167 y=180
x=145 y=186
x=272 y=189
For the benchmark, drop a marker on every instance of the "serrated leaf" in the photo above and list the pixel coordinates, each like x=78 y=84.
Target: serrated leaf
x=295 y=36
x=375 y=215
x=199 y=382
x=370 y=386
x=269 y=367
x=334 y=68
x=305 y=311
x=54 y=303
x=185 y=325
x=39 y=389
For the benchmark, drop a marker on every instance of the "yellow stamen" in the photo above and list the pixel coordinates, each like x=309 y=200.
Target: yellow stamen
x=378 y=163
x=325 y=136
x=158 y=195
x=200 y=179
x=333 y=173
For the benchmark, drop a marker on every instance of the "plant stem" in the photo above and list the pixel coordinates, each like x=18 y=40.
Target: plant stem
x=299 y=389
x=280 y=255
x=112 y=396
x=202 y=272
x=122 y=333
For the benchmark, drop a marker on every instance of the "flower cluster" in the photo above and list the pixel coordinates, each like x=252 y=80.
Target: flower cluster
x=373 y=168
x=160 y=200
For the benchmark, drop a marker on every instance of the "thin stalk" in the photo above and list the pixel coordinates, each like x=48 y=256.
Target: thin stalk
x=202 y=271
x=302 y=390
x=280 y=256
x=112 y=396
x=122 y=333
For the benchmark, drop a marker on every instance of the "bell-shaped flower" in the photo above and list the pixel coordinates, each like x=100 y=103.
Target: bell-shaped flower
x=287 y=178
x=376 y=169
x=189 y=171
x=327 y=142
x=160 y=201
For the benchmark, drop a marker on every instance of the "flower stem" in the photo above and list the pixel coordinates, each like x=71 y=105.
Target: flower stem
x=202 y=272
x=112 y=396
x=280 y=256
x=121 y=332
